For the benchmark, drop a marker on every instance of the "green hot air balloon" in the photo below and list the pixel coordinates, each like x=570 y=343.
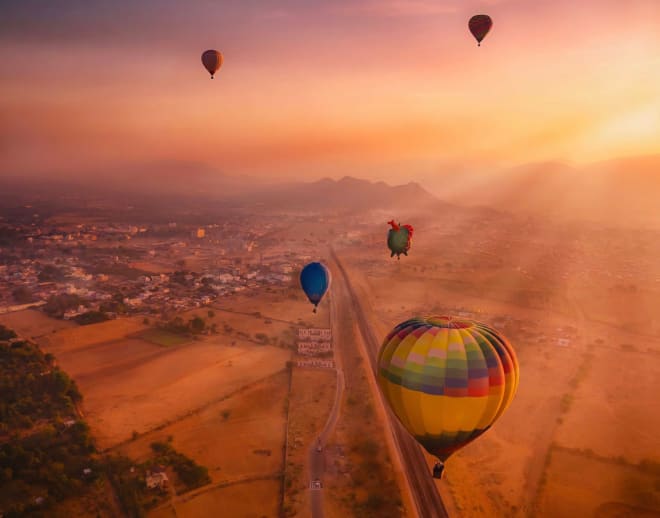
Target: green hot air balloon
x=447 y=380
x=399 y=239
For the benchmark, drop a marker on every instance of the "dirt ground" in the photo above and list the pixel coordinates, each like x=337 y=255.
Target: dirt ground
x=610 y=489
x=256 y=499
x=241 y=436
x=617 y=401
x=31 y=323
x=556 y=402
x=282 y=307
x=73 y=338
x=312 y=396
x=153 y=267
x=132 y=385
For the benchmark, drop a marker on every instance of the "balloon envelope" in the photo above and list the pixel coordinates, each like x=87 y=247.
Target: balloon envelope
x=315 y=281
x=447 y=380
x=479 y=26
x=212 y=61
x=399 y=239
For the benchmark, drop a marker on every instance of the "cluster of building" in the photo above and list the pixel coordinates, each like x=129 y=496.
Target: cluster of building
x=314 y=342
x=61 y=261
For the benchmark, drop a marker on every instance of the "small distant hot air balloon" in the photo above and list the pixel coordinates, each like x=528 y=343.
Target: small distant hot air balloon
x=399 y=239
x=479 y=26
x=212 y=61
x=315 y=281
x=447 y=380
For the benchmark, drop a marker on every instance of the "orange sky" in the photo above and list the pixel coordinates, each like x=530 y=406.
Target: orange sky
x=379 y=88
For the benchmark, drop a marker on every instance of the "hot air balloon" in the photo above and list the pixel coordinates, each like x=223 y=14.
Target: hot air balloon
x=479 y=26
x=212 y=61
x=315 y=281
x=399 y=239
x=447 y=380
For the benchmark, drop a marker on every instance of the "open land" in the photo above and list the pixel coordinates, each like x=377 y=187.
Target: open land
x=586 y=370
x=580 y=438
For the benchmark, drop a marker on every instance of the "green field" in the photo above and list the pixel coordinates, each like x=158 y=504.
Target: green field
x=162 y=337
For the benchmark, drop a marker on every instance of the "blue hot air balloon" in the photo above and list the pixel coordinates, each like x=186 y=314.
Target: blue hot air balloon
x=315 y=281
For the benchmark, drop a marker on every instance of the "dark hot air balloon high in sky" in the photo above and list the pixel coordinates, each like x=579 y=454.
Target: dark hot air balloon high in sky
x=212 y=61
x=399 y=239
x=447 y=380
x=479 y=26
x=315 y=281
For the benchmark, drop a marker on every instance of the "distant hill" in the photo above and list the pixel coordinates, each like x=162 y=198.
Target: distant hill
x=622 y=192
x=347 y=194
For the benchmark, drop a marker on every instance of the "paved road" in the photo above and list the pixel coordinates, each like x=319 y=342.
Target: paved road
x=422 y=485
x=317 y=458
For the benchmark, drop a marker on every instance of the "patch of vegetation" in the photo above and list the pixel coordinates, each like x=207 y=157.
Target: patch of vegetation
x=31 y=389
x=163 y=338
x=262 y=338
x=56 y=305
x=382 y=492
x=566 y=403
x=6 y=334
x=43 y=450
x=191 y=474
x=51 y=273
x=91 y=317
x=178 y=326
x=23 y=295
x=129 y=487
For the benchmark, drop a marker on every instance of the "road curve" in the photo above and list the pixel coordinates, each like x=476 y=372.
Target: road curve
x=426 y=497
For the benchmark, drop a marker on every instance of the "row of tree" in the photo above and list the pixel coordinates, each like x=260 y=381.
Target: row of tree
x=45 y=453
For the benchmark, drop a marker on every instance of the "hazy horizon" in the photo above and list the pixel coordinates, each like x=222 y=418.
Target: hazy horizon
x=381 y=90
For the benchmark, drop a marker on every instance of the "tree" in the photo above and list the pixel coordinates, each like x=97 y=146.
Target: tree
x=91 y=317
x=197 y=324
x=6 y=333
x=23 y=295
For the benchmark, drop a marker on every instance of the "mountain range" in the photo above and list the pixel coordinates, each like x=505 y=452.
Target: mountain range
x=621 y=192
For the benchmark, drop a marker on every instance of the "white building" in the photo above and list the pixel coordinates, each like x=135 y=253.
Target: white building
x=316 y=363
x=315 y=334
x=312 y=348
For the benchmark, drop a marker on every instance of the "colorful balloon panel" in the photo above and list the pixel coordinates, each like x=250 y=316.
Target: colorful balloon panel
x=447 y=380
x=315 y=281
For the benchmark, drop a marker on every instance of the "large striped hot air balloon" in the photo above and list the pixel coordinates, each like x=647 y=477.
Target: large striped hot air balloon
x=447 y=380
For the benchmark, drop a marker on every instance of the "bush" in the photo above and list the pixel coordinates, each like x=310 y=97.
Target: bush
x=6 y=334
x=91 y=317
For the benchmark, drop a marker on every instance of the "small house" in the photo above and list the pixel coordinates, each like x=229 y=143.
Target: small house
x=157 y=478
